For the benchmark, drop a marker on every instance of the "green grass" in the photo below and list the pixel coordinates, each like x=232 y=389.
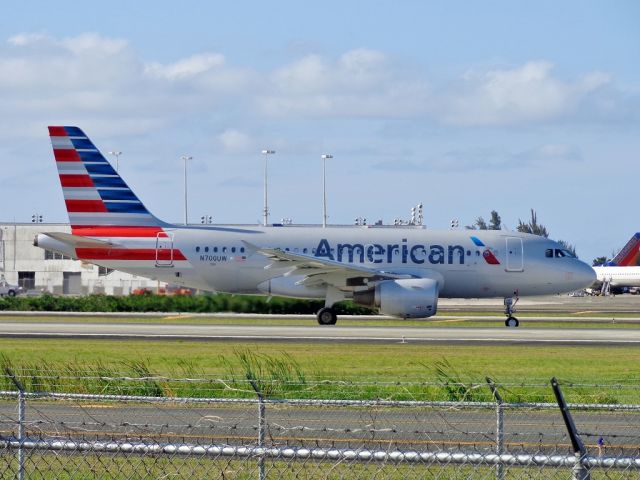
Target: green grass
x=321 y=370
x=90 y=466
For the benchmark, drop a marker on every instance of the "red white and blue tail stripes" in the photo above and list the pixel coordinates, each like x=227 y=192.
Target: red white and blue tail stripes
x=101 y=206
x=94 y=193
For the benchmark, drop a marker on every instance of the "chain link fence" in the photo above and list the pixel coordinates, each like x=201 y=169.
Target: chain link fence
x=45 y=435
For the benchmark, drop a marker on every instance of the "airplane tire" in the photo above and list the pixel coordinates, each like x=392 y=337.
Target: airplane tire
x=11 y=293
x=511 y=322
x=326 y=316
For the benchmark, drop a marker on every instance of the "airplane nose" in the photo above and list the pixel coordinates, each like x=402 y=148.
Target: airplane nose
x=584 y=275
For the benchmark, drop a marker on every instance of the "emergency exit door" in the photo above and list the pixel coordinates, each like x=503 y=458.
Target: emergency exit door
x=515 y=260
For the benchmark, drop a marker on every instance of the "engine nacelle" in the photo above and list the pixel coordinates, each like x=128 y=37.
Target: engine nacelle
x=404 y=298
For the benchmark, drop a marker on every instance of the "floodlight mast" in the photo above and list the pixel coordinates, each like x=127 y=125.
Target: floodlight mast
x=116 y=153
x=265 y=211
x=324 y=188
x=184 y=159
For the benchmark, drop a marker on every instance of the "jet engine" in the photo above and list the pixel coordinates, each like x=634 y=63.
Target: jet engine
x=404 y=298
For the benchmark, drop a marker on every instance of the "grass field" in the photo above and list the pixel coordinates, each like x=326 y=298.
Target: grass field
x=342 y=370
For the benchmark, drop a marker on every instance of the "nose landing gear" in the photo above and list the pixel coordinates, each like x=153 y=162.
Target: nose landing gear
x=509 y=309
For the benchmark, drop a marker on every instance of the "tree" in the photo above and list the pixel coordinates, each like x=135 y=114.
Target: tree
x=533 y=226
x=479 y=224
x=599 y=261
x=496 y=222
x=538 y=229
x=568 y=246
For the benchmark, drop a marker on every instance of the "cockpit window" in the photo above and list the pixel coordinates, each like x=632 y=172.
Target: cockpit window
x=558 y=253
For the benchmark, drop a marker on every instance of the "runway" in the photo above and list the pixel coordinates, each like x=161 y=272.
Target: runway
x=316 y=333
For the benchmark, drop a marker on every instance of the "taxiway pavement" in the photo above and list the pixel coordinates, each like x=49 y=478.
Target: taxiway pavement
x=316 y=333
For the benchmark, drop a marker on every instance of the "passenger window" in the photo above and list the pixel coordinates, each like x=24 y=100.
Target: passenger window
x=241 y=249
x=233 y=249
x=548 y=253
x=215 y=249
x=206 y=249
x=224 y=249
x=197 y=249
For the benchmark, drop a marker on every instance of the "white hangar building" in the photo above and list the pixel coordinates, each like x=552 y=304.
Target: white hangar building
x=33 y=268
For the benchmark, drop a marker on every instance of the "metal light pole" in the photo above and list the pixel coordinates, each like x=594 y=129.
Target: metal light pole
x=265 y=213
x=185 y=158
x=116 y=153
x=324 y=188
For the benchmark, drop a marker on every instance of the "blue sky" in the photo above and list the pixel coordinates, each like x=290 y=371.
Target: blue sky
x=463 y=106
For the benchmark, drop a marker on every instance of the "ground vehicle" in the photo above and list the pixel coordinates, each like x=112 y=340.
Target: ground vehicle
x=8 y=289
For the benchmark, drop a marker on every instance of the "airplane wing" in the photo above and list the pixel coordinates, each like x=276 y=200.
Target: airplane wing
x=318 y=271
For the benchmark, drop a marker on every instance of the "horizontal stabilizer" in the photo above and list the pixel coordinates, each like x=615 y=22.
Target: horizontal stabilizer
x=80 y=242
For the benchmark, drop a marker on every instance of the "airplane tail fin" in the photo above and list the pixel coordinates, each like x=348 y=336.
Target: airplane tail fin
x=629 y=256
x=95 y=195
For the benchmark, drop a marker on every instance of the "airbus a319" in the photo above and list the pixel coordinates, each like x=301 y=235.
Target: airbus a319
x=398 y=271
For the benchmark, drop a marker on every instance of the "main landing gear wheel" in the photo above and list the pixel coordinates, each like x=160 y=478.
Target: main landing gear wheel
x=511 y=322
x=326 y=316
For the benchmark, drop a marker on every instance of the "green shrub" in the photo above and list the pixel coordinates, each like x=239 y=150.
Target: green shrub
x=173 y=303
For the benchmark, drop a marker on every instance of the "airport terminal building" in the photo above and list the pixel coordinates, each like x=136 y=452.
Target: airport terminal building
x=33 y=268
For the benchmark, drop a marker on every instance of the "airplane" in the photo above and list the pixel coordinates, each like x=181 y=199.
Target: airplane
x=623 y=271
x=399 y=271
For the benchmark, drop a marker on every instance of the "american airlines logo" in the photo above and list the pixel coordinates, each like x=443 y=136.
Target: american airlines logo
x=401 y=252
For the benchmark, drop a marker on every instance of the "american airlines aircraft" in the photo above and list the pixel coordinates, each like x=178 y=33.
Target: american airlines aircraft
x=399 y=271
x=624 y=269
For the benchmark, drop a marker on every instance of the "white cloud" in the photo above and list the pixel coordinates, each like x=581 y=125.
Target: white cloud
x=520 y=95
x=367 y=83
x=487 y=159
x=24 y=39
x=45 y=79
x=234 y=141
x=359 y=83
x=187 y=67
x=91 y=77
x=94 y=44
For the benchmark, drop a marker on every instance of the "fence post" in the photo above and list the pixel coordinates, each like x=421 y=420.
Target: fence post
x=21 y=421
x=499 y=426
x=261 y=428
x=580 y=472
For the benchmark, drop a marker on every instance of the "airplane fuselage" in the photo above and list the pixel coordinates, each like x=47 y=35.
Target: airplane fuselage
x=465 y=263
x=618 y=276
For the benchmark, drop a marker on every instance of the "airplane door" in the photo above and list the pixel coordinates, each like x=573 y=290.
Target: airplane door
x=515 y=261
x=164 y=249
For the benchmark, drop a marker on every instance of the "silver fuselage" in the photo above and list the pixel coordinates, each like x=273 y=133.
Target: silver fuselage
x=466 y=263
